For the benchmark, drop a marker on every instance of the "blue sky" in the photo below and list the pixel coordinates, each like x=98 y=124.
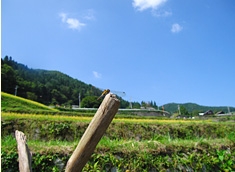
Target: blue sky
x=160 y=50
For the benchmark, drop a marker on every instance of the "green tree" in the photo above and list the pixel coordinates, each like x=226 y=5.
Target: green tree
x=58 y=96
x=6 y=59
x=8 y=79
x=155 y=105
x=195 y=113
x=123 y=104
x=91 y=102
x=136 y=105
x=184 y=111
x=144 y=104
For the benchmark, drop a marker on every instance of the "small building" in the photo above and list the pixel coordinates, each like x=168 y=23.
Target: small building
x=220 y=112
x=209 y=112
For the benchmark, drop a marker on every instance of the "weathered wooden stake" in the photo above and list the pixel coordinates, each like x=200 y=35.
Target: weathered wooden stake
x=24 y=154
x=93 y=133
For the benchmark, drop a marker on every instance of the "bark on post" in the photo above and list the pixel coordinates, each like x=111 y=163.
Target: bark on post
x=93 y=133
x=24 y=154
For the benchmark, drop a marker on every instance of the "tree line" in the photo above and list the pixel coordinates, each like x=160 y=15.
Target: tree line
x=47 y=87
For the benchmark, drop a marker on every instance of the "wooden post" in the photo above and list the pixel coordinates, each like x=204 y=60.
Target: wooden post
x=93 y=133
x=25 y=157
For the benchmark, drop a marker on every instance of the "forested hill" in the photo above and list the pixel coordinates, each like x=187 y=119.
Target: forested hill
x=47 y=87
x=192 y=107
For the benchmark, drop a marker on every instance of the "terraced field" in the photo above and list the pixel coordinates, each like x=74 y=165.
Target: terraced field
x=127 y=145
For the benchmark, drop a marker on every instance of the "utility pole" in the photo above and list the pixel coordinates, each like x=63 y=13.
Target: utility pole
x=229 y=111
x=179 y=109
x=130 y=103
x=79 y=100
x=16 y=90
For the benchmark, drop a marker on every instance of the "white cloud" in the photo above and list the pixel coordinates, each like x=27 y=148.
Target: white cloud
x=176 y=28
x=145 y=4
x=161 y=13
x=97 y=75
x=72 y=23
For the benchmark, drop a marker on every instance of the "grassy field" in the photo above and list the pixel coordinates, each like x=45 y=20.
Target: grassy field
x=129 y=144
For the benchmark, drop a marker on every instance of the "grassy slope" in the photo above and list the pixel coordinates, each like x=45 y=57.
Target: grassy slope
x=127 y=144
x=9 y=102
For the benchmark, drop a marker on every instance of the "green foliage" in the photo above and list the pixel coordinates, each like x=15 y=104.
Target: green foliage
x=220 y=160
x=91 y=102
x=40 y=162
x=9 y=161
x=231 y=136
x=226 y=160
x=184 y=111
x=8 y=78
x=135 y=105
x=47 y=162
x=58 y=130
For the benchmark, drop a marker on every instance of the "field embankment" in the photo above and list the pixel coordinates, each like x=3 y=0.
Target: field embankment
x=128 y=144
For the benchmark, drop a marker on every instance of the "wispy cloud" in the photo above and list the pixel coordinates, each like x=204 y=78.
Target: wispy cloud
x=89 y=15
x=145 y=4
x=72 y=23
x=158 y=13
x=97 y=75
x=63 y=16
x=176 y=28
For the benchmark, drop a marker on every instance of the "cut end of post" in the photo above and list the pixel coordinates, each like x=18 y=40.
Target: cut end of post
x=113 y=96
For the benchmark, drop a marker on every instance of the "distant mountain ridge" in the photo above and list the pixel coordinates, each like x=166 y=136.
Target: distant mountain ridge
x=173 y=107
